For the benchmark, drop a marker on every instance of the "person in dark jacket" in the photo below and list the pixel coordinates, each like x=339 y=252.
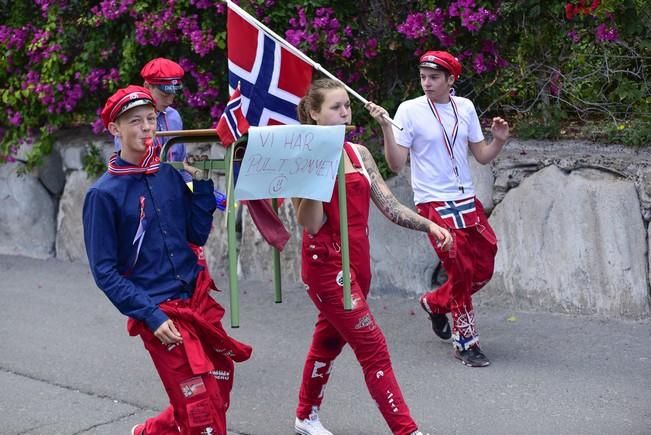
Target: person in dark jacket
x=142 y=230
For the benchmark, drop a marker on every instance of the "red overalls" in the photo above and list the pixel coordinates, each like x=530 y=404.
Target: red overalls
x=322 y=275
x=469 y=263
x=198 y=373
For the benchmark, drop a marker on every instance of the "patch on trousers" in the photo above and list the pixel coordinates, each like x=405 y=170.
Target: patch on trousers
x=200 y=414
x=379 y=374
x=340 y=278
x=315 y=371
x=459 y=214
x=224 y=351
x=463 y=343
x=464 y=331
x=464 y=324
x=221 y=375
x=192 y=387
x=365 y=322
x=391 y=402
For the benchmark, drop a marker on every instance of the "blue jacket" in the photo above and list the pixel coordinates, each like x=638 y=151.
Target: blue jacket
x=138 y=270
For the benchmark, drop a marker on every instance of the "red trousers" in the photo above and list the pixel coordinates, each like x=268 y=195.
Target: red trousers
x=198 y=402
x=322 y=274
x=334 y=328
x=469 y=265
x=198 y=373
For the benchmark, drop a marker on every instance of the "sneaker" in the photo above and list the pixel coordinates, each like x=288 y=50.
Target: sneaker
x=138 y=429
x=440 y=324
x=311 y=425
x=472 y=357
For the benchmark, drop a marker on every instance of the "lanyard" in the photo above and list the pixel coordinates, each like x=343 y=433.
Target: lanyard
x=449 y=144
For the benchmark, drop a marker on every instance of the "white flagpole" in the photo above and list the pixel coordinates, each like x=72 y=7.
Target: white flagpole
x=252 y=20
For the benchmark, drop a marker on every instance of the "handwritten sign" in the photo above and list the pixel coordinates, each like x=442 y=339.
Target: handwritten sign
x=290 y=161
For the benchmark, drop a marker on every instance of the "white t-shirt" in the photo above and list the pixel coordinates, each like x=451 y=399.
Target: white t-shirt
x=432 y=169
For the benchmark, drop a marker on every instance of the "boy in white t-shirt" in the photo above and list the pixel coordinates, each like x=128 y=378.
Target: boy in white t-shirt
x=438 y=131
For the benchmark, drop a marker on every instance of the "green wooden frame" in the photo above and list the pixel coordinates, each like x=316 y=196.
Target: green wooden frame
x=225 y=165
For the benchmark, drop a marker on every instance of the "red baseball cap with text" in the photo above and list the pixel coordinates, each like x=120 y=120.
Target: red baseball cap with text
x=441 y=60
x=166 y=74
x=125 y=99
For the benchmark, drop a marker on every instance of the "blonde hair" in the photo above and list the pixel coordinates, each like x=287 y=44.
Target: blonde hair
x=314 y=98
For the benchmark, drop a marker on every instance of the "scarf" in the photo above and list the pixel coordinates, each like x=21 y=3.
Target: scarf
x=149 y=164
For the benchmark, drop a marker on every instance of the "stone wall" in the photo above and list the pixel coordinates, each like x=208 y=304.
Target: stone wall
x=571 y=217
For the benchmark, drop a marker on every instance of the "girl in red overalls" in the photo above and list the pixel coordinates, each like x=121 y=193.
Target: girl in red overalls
x=327 y=103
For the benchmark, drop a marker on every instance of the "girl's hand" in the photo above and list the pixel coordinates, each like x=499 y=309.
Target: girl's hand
x=443 y=237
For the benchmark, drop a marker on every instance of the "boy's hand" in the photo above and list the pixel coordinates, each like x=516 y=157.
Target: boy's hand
x=378 y=113
x=167 y=333
x=500 y=129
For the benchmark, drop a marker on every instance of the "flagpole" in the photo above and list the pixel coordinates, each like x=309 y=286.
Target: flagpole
x=207 y=132
x=252 y=20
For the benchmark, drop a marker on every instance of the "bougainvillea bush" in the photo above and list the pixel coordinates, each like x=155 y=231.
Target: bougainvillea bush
x=538 y=62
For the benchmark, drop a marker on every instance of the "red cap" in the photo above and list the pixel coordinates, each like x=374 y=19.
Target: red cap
x=441 y=59
x=125 y=99
x=164 y=73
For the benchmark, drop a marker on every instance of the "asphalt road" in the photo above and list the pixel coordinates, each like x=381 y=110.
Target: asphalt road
x=67 y=366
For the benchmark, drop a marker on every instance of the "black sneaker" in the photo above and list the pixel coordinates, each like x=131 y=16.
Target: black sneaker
x=440 y=324
x=473 y=357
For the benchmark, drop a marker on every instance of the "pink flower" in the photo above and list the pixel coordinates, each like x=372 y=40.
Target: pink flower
x=110 y=10
x=371 y=48
x=216 y=111
x=604 y=33
x=14 y=117
x=356 y=134
x=201 y=4
x=347 y=51
x=332 y=38
x=479 y=63
x=97 y=126
x=574 y=36
x=294 y=37
x=414 y=26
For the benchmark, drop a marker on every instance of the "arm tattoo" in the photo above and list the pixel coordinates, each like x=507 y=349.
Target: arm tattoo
x=386 y=202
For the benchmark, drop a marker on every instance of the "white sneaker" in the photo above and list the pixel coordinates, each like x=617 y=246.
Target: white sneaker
x=311 y=425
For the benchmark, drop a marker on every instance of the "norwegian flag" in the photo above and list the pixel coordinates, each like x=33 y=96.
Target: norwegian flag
x=458 y=214
x=273 y=79
x=232 y=124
